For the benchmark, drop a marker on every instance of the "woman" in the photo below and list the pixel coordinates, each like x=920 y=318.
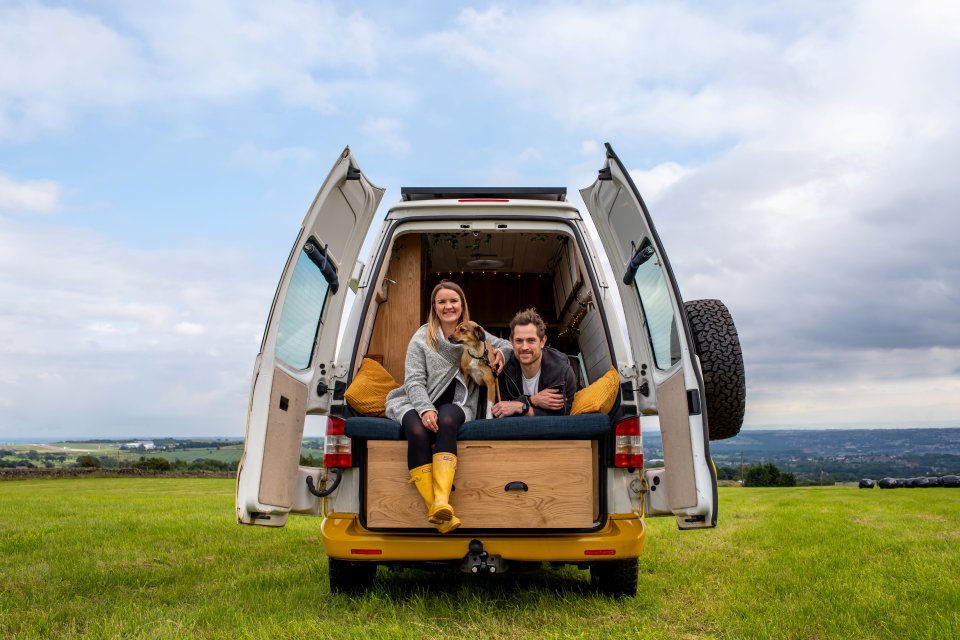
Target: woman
x=435 y=400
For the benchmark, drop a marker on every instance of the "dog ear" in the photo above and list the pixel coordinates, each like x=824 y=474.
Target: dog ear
x=479 y=333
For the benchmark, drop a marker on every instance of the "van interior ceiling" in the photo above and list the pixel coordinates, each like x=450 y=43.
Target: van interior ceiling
x=501 y=274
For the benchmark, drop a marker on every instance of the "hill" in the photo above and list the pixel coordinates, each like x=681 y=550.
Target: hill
x=836 y=455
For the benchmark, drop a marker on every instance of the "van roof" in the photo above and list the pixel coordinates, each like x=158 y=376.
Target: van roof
x=555 y=194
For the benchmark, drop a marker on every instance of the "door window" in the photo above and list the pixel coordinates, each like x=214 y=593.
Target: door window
x=658 y=311
x=300 y=318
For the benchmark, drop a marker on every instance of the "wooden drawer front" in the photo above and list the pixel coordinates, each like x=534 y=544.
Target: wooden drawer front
x=559 y=474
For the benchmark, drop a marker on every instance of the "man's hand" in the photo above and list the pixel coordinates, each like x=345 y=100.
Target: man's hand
x=507 y=408
x=550 y=399
x=497 y=361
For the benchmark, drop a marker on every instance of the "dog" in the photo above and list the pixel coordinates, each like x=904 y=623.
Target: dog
x=475 y=361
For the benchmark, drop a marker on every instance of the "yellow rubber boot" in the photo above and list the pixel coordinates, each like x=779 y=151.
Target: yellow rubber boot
x=422 y=478
x=449 y=525
x=444 y=469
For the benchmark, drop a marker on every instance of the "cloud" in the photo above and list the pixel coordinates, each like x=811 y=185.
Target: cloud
x=34 y=196
x=189 y=329
x=118 y=341
x=387 y=132
x=265 y=161
x=652 y=183
x=71 y=62
x=812 y=187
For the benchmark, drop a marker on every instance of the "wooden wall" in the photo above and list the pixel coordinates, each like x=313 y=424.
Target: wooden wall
x=399 y=317
x=494 y=298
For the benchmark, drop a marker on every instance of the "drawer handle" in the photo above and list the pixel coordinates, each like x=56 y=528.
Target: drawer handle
x=516 y=485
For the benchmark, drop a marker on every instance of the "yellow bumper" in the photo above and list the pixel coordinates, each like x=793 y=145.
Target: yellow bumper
x=344 y=538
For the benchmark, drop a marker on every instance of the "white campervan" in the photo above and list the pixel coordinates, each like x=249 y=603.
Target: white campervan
x=529 y=491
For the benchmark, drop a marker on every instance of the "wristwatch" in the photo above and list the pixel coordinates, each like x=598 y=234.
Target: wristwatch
x=525 y=402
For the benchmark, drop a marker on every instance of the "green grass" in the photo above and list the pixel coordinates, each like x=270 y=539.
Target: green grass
x=163 y=558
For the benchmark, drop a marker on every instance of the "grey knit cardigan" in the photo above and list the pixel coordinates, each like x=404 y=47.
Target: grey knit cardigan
x=428 y=373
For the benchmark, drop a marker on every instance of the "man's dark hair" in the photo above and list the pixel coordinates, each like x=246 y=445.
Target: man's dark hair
x=529 y=316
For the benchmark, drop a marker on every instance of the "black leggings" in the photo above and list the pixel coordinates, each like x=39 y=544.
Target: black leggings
x=420 y=439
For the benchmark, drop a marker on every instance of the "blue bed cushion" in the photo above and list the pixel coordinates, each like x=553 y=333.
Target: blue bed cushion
x=364 y=428
x=587 y=426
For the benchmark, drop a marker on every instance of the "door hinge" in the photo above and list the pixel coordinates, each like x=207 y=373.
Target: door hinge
x=628 y=371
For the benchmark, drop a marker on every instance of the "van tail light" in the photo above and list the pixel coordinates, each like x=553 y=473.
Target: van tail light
x=337 y=448
x=628 y=445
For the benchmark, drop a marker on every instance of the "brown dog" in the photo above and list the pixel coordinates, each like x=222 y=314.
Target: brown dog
x=475 y=361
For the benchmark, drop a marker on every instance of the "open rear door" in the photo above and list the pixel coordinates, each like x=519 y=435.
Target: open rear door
x=296 y=367
x=687 y=486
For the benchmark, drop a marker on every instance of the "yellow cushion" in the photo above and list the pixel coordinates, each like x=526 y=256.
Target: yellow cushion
x=599 y=396
x=367 y=394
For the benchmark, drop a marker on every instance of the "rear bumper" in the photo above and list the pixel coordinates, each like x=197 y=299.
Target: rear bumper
x=344 y=538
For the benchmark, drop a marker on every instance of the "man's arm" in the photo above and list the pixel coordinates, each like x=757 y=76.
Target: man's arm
x=553 y=401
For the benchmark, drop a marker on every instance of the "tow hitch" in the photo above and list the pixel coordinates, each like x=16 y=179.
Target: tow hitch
x=479 y=561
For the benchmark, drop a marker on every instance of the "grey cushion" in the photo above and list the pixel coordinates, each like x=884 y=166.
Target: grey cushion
x=587 y=426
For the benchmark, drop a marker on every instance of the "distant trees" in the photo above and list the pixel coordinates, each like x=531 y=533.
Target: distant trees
x=767 y=475
x=728 y=473
x=152 y=464
x=160 y=465
x=88 y=462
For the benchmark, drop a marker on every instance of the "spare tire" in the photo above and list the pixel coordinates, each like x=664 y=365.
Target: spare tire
x=717 y=344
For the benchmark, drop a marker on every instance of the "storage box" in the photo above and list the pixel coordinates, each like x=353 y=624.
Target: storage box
x=500 y=484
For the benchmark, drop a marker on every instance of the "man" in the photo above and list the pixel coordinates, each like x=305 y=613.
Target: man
x=537 y=380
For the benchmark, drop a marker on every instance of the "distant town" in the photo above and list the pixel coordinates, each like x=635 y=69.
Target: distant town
x=827 y=456
x=813 y=456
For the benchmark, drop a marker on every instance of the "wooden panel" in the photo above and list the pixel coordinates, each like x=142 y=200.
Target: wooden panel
x=281 y=449
x=398 y=317
x=677 y=447
x=560 y=476
x=494 y=298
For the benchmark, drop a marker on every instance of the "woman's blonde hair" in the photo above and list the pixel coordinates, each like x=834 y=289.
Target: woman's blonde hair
x=433 y=320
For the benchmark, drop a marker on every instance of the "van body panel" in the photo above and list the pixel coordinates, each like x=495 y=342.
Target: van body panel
x=343 y=535
x=297 y=351
x=653 y=310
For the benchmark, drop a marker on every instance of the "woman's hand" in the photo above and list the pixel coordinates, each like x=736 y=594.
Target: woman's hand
x=429 y=419
x=497 y=361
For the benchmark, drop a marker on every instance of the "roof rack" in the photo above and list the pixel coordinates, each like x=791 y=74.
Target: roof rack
x=558 y=194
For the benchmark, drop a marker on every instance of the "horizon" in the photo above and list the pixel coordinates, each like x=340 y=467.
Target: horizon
x=745 y=430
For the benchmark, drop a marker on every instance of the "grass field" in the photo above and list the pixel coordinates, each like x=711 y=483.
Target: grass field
x=162 y=558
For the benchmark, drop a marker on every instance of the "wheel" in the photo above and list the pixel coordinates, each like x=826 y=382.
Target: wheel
x=615 y=578
x=718 y=346
x=351 y=578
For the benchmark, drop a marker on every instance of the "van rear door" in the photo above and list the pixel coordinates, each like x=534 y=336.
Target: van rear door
x=654 y=313
x=296 y=368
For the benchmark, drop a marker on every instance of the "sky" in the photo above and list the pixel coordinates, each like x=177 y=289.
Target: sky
x=156 y=159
